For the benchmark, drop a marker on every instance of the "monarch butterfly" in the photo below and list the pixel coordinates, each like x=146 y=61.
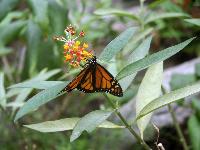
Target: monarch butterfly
x=94 y=78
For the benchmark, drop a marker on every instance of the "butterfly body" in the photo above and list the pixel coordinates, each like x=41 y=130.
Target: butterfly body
x=95 y=78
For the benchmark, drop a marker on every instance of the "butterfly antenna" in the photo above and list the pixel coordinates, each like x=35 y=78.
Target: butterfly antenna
x=95 y=53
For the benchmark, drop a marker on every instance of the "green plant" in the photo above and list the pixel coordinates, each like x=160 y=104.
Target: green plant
x=87 y=122
x=125 y=56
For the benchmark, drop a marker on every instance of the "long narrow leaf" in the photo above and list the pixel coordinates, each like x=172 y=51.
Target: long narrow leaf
x=152 y=59
x=194 y=128
x=149 y=89
x=117 y=12
x=116 y=45
x=37 y=85
x=6 y=6
x=64 y=125
x=137 y=37
x=39 y=99
x=2 y=91
x=38 y=81
x=5 y=51
x=9 y=31
x=140 y=52
x=89 y=122
x=40 y=9
x=193 y=21
x=154 y=17
x=22 y=96
x=34 y=37
x=169 y=98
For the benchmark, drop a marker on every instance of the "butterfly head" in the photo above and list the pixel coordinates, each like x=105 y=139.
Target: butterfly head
x=92 y=60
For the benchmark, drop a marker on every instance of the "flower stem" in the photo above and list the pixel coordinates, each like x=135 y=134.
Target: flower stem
x=176 y=124
x=142 y=142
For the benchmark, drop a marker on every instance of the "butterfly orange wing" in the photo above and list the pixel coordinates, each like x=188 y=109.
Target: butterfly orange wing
x=86 y=85
x=98 y=79
x=105 y=82
x=74 y=83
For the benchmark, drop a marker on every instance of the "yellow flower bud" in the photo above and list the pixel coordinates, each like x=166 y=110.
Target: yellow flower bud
x=68 y=57
x=75 y=48
x=85 y=45
x=66 y=46
x=77 y=43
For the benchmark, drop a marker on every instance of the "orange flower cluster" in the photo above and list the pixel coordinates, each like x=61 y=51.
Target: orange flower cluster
x=74 y=51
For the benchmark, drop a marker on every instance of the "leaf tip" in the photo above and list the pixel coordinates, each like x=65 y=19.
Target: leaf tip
x=73 y=137
x=17 y=116
x=15 y=119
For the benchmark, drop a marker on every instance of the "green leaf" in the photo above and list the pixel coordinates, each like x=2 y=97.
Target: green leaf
x=156 y=16
x=12 y=92
x=22 y=96
x=193 y=21
x=128 y=94
x=64 y=125
x=43 y=75
x=71 y=72
x=39 y=99
x=196 y=106
x=14 y=15
x=2 y=91
x=89 y=122
x=40 y=9
x=9 y=31
x=117 y=12
x=34 y=37
x=140 y=52
x=15 y=105
x=137 y=37
x=116 y=45
x=149 y=89
x=37 y=82
x=5 y=50
x=169 y=98
x=152 y=59
x=6 y=6
x=36 y=85
x=194 y=128
x=181 y=80
x=57 y=17
x=112 y=66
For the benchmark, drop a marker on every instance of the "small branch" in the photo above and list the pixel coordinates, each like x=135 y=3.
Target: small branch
x=142 y=14
x=160 y=146
x=7 y=68
x=1 y=107
x=20 y=65
x=4 y=111
x=178 y=129
x=146 y=147
x=176 y=124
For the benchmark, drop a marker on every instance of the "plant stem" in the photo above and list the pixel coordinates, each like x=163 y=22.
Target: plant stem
x=142 y=142
x=178 y=129
x=141 y=14
x=7 y=68
x=176 y=124
x=1 y=107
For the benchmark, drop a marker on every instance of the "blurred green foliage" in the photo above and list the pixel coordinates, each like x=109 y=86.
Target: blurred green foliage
x=26 y=48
